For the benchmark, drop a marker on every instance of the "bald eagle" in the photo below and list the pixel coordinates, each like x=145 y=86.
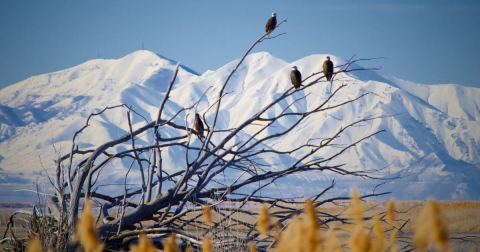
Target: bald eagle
x=296 y=77
x=272 y=22
x=328 y=68
x=198 y=125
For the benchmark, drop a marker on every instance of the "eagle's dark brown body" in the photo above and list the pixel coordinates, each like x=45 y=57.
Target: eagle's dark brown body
x=328 y=69
x=272 y=22
x=198 y=125
x=296 y=78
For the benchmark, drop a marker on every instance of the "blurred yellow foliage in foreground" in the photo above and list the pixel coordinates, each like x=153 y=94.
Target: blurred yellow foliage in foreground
x=302 y=234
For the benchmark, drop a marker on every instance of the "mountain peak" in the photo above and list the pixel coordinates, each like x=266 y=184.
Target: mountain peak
x=145 y=54
x=261 y=54
x=152 y=57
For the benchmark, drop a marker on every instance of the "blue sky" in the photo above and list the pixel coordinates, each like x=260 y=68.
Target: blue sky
x=429 y=42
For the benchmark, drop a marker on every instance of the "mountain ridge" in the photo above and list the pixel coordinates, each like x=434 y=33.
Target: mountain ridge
x=46 y=110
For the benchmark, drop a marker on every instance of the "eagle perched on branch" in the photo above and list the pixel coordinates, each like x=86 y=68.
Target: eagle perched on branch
x=198 y=126
x=272 y=22
x=296 y=77
x=328 y=68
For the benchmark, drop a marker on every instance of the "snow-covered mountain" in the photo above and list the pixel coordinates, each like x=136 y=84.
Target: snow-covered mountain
x=432 y=141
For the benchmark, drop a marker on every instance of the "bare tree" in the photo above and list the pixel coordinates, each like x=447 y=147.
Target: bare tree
x=195 y=185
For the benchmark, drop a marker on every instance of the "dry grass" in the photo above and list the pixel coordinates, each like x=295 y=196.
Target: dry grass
x=461 y=216
x=5 y=215
x=86 y=231
x=207 y=244
x=145 y=245
x=207 y=213
x=429 y=221
x=210 y=217
x=263 y=221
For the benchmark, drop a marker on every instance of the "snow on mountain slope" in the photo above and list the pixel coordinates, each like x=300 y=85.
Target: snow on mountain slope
x=438 y=176
x=458 y=123
x=432 y=141
x=451 y=99
x=45 y=111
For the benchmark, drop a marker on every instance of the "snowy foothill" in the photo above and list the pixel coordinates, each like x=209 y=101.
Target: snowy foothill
x=431 y=141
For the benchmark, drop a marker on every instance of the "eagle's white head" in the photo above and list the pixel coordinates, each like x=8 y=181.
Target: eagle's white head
x=274 y=14
x=294 y=67
x=328 y=57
